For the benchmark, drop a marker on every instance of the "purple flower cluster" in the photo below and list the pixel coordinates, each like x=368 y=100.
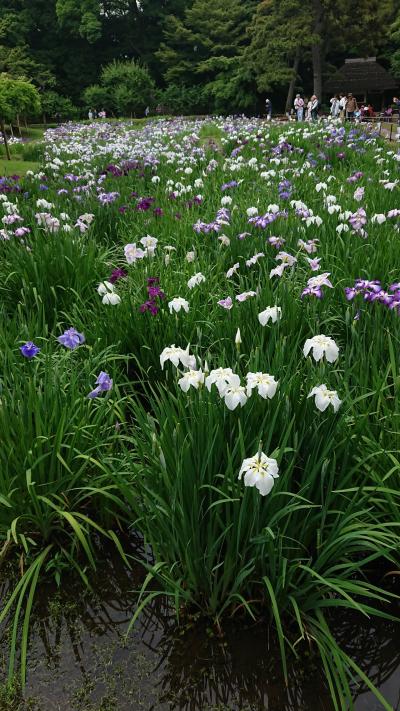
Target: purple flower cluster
x=222 y=218
x=282 y=147
x=108 y=198
x=231 y=184
x=154 y=292
x=114 y=170
x=285 y=189
x=372 y=290
x=145 y=203
x=357 y=220
x=356 y=176
x=194 y=201
x=9 y=185
x=262 y=221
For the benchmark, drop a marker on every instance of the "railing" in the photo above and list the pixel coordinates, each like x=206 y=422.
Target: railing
x=387 y=127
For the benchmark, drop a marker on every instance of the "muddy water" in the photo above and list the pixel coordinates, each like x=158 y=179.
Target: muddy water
x=81 y=660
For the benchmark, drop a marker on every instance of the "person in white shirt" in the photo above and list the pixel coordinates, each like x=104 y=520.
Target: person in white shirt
x=335 y=106
x=342 y=105
x=299 y=107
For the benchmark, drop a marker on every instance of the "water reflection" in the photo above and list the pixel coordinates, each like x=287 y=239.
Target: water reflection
x=79 y=658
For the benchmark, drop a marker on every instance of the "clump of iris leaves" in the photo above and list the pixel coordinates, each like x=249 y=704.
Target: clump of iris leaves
x=148 y=457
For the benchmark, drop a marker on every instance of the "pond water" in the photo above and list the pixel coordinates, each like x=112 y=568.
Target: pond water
x=81 y=660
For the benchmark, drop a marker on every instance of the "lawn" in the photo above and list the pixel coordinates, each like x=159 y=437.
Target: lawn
x=200 y=342
x=17 y=167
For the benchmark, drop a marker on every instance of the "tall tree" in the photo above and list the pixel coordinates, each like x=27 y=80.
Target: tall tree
x=205 y=49
x=394 y=36
x=279 y=32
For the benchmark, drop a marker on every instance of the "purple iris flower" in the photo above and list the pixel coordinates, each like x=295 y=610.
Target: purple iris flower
x=373 y=285
x=312 y=291
x=231 y=184
x=108 y=198
x=117 y=274
x=358 y=219
x=149 y=305
x=71 y=339
x=350 y=293
x=144 y=204
x=29 y=350
x=103 y=382
x=226 y=303
x=154 y=291
x=22 y=231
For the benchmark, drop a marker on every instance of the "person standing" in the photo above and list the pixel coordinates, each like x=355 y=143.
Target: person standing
x=351 y=107
x=342 y=105
x=307 y=104
x=90 y=115
x=314 y=108
x=396 y=102
x=335 y=106
x=268 y=109
x=299 y=107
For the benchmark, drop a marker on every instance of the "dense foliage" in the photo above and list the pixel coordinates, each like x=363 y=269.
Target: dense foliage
x=125 y=88
x=200 y=328
x=202 y=56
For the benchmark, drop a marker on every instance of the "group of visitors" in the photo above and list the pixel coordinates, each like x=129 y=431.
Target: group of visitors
x=347 y=107
x=306 y=109
x=343 y=106
x=96 y=114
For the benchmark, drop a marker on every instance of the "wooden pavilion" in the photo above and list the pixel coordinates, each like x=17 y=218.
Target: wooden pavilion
x=366 y=79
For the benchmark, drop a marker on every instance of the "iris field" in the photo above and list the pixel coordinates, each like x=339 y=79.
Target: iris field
x=200 y=339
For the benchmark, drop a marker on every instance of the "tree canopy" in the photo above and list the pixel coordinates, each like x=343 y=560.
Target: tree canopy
x=220 y=56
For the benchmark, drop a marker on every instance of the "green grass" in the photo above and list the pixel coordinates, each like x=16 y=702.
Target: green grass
x=17 y=167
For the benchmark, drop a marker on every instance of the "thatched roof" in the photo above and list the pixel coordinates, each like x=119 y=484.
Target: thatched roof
x=361 y=75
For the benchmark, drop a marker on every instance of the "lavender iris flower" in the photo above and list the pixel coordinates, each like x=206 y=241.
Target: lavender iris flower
x=29 y=350
x=231 y=184
x=103 y=382
x=71 y=339
x=312 y=291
